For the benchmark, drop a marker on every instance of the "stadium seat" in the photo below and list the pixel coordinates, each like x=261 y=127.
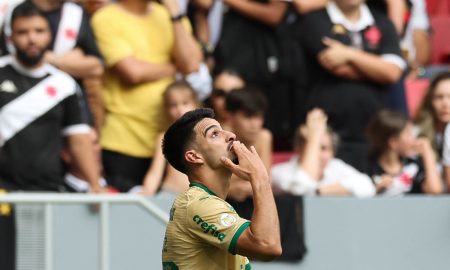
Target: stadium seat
x=279 y=157
x=415 y=92
x=440 y=39
x=438 y=7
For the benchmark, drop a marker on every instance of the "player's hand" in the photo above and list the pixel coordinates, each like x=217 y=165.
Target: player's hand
x=250 y=167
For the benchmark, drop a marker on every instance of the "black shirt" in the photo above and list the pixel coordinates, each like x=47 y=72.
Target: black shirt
x=36 y=109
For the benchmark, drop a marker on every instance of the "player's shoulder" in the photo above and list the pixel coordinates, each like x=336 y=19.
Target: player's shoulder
x=201 y=199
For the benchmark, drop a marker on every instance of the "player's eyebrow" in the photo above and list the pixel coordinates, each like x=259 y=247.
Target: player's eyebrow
x=208 y=128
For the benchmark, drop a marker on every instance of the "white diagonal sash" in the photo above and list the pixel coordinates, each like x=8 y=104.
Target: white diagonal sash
x=69 y=28
x=38 y=100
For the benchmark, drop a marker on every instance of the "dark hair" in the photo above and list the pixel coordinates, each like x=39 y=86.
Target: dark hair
x=385 y=125
x=26 y=9
x=250 y=102
x=180 y=134
x=426 y=116
x=178 y=85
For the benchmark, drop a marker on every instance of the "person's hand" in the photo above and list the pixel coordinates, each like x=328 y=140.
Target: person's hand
x=172 y=6
x=423 y=146
x=335 y=55
x=250 y=167
x=97 y=189
x=384 y=182
x=316 y=124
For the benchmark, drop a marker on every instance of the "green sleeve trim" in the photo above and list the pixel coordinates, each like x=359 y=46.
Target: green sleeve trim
x=173 y=266
x=232 y=247
x=248 y=266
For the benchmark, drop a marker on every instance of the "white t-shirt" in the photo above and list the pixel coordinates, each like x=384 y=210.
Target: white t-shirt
x=291 y=178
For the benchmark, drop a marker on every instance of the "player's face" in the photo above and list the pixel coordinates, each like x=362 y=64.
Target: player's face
x=246 y=127
x=441 y=101
x=404 y=144
x=178 y=103
x=31 y=38
x=213 y=142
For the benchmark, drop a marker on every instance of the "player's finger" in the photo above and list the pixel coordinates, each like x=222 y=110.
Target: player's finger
x=228 y=163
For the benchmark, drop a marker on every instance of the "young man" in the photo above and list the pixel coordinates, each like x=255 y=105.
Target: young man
x=204 y=231
x=39 y=107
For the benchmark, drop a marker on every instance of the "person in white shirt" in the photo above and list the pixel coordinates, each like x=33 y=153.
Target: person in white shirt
x=315 y=170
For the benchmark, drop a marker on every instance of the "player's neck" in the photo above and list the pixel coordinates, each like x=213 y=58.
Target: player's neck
x=217 y=182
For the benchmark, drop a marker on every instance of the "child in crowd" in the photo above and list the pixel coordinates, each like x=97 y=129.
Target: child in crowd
x=400 y=163
x=245 y=110
x=224 y=82
x=433 y=119
x=315 y=170
x=179 y=98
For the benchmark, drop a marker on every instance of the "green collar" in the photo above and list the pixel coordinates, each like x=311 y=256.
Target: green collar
x=204 y=188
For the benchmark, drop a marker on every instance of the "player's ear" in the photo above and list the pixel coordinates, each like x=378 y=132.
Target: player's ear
x=193 y=156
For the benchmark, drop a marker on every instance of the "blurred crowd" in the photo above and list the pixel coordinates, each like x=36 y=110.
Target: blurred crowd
x=88 y=87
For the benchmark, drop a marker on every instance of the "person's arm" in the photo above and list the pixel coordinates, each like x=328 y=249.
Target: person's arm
x=119 y=54
x=373 y=67
x=261 y=240
x=396 y=10
x=80 y=147
x=154 y=175
x=313 y=131
x=432 y=183
x=265 y=147
x=305 y=6
x=186 y=52
x=349 y=179
x=270 y=13
x=76 y=63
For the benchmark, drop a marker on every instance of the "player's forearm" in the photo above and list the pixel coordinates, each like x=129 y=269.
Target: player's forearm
x=265 y=225
x=374 y=67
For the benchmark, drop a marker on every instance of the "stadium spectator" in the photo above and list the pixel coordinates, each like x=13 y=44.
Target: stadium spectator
x=143 y=51
x=246 y=109
x=73 y=49
x=74 y=179
x=314 y=170
x=399 y=162
x=353 y=55
x=31 y=138
x=256 y=41
x=433 y=120
x=179 y=98
x=224 y=82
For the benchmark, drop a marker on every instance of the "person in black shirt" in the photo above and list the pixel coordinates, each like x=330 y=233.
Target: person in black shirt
x=73 y=49
x=39 y=107
x=353 y=54
x=400 y=162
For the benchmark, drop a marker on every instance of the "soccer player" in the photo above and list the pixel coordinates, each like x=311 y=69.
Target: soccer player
x=204 y=231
